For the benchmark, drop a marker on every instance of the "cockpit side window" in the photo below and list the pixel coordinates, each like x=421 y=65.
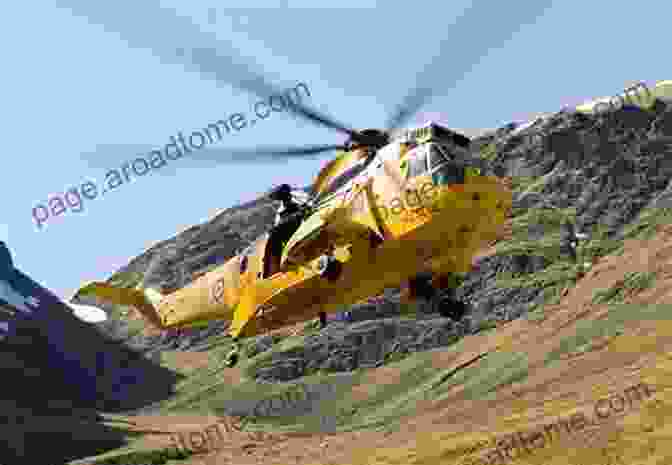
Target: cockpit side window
x=417 y=162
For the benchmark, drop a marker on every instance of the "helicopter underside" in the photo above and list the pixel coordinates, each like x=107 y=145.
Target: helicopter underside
x=442 y=244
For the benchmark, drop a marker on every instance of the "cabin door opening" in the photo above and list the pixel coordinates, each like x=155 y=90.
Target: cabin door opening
x=277 y=239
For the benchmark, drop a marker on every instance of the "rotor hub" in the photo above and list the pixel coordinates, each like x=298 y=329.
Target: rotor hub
x=374 y=138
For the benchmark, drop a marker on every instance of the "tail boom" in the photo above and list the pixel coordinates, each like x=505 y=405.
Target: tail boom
x=124 y=296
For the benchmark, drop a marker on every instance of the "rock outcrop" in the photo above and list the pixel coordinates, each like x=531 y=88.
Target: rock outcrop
x=59 y=373
x=601 y=171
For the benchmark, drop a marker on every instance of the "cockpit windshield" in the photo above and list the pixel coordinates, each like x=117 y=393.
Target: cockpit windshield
x=438 y=155
x=417 y=161
x=435 y=160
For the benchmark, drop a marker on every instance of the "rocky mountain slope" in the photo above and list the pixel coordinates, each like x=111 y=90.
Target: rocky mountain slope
x=603 y=172
x=58 y=373
x=610 y=174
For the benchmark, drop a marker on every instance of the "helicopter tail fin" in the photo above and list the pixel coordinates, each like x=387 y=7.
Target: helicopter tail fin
x=144 y=300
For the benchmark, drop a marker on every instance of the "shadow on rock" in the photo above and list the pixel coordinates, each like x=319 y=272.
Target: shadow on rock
x=58 y=373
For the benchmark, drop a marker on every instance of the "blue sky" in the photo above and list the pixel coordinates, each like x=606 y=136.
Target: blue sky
x=72 y=88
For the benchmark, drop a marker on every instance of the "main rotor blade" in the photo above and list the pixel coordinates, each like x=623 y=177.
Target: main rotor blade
x=178 y=40
x=209 y=156
x=480 y=28
x=263 y=154
x=210 y=63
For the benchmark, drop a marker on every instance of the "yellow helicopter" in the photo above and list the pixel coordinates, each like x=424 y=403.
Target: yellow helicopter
x=395 y=206
x=380 y=214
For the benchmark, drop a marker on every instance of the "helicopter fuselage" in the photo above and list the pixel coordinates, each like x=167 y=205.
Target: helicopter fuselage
x=413 y=208
x=416 y=206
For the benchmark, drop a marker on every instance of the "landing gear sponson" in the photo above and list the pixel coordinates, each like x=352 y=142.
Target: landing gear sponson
x=329 y=268
x=438 y=290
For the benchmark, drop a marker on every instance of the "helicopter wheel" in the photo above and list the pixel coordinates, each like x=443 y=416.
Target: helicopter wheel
x=451 y=308
x=421 y=287
x=329 y=267
x=441 y=299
